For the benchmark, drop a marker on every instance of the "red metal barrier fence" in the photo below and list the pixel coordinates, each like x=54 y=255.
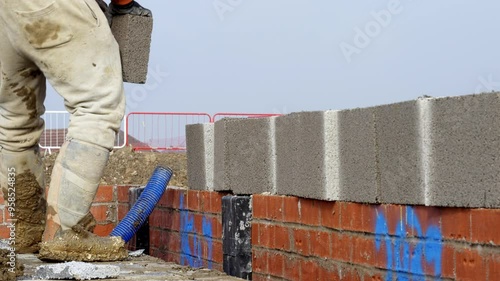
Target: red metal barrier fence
x=162 y=131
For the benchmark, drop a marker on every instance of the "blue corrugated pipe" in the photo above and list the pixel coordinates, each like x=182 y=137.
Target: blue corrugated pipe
x=141 y=210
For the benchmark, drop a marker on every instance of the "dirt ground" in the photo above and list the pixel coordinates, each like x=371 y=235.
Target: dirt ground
x=135 y=168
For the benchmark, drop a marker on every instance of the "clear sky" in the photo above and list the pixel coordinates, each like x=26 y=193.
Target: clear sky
x=282 y=56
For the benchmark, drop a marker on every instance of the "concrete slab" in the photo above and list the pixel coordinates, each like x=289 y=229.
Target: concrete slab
x=463 y=144
x=250 y=155
x=133 y=34
x=357 y=154
x=200 y=156
x=399 y=153
x=77 y=271
x=307 y=155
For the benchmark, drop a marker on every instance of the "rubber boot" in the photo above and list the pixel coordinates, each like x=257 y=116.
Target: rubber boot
x=22 y=180
x=75 y=178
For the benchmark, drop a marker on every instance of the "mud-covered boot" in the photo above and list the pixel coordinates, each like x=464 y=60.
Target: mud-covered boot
x=75 y=178
x=22 y=180
x=79 y=244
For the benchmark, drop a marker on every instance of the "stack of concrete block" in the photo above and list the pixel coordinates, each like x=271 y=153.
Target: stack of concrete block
x=200 y=156
x=244 y=155
x=429 y=151
x=133 y=34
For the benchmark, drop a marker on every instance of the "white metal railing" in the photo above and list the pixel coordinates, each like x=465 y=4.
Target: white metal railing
x=56 y=126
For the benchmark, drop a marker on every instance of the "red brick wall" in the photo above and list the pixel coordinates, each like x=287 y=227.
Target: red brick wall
x=186 y=228
x=301 y=239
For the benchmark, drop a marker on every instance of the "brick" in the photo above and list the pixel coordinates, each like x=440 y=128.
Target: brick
x=320 y=244
x=456 y=224
x=4 y=232
x=205 y=201
x=275 y=208
x=217 y=255
x=292 y=268
x=330 y=273
x=307 y=155
x=373 y=277
x=167 y=198
x=309 y=212
x=494 y=267
x=485 y=224
x=364 y=251
x=155 y=219
x=122 y=211
x=122 y=192
x=291 y=209
x=216 y=227
x=259 y=261
x=351 y=216
x=281 y=238
x=105 y=193
x=266 y=233
x=330 y=214
x=369 y=213
x=193 y=200
x=173 y=240
x=448 y=263
x=276 y=264
x=259 y=206
x=255 y=233
x=423 y=216
x=470 y=266
x=301 y=241
x=341 y=247
x=103 y=213
x=177 y=203
x=394 y=216
x=104 y=229
x=198 y=224
x=216 y=202
x=133 y=34
x=309 y=271
x=200 y=156
x=155 y=237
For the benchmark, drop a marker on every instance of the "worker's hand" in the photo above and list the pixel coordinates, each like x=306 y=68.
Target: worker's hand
x=105 y=9
x=133 y=8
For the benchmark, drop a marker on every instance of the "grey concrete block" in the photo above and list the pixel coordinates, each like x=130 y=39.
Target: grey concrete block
x=76 y=270
x=357 y=155
x=307 y=159
x=133 y=34
x=245 y=154
x=462 y=148
x=399 y=153
x=200 y=156
x=221 y=158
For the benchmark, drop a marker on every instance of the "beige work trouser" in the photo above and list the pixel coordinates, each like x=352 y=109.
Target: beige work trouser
x=69 y=43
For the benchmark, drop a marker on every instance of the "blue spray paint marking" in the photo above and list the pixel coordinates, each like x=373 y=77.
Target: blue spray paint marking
x=405 y=259
x=194 y=257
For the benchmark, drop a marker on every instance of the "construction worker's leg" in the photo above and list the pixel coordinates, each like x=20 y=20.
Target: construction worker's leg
x=71 y=42
x=22 y=93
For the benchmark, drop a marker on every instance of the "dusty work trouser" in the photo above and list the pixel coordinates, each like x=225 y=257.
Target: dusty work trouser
x=69 y=43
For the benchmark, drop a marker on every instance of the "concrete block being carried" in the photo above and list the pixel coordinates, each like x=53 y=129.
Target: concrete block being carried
x=133 y=34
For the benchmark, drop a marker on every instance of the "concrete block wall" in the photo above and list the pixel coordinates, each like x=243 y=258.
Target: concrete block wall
x=429 y=151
